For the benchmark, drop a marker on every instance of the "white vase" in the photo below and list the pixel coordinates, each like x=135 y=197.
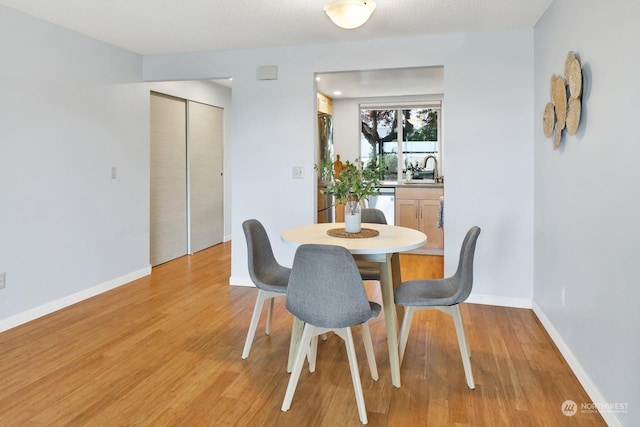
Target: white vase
x=352 y=219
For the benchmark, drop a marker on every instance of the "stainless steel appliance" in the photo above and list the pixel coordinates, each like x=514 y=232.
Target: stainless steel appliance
x=325 y=154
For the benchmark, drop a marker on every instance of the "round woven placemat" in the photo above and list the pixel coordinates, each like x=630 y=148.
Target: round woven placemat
x=364 y=233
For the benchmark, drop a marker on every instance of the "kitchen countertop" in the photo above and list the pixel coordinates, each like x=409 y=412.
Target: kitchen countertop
x=418 y=183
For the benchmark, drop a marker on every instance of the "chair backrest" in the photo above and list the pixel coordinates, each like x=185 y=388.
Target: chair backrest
x=372 y=216
x=464 y=273
x=325 y=288
x=263 y=267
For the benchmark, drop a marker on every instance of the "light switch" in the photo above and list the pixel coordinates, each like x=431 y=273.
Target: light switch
x=297 y=172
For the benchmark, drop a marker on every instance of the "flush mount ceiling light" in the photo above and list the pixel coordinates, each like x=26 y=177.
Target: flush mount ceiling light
x=349 y=14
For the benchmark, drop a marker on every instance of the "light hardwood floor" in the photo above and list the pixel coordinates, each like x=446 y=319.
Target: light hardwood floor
x=165 y=351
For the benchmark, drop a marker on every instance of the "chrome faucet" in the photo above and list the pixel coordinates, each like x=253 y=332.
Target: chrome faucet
x=436 y=176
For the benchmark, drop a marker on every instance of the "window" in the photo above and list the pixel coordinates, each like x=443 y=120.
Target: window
x=402 y=137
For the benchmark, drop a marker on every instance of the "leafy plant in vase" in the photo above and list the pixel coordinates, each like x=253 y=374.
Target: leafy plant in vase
x=352 y=187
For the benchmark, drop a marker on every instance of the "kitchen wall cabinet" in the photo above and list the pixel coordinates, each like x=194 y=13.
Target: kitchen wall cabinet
x=418 y=208
x=324 y=104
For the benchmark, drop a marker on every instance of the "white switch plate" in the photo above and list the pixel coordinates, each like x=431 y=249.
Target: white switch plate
x=3 y=280
x=114 y=172
x=297 y=172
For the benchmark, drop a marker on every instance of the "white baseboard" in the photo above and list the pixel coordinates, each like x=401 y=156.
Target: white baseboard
x=50 y=307
x=591 y=389
x=240 y=281
x=499 y=301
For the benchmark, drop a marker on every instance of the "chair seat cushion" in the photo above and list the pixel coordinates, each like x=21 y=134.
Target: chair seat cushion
x=274 y=279
x=426 y=293
x=375 y=309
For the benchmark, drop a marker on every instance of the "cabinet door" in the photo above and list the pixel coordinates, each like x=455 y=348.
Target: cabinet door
x=429 y=224
x=339 y=212
x=407 y=213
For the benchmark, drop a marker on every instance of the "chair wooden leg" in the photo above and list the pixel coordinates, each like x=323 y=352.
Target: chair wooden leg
x=368 y=348
x=456 y=313
x=313 y=353
x=269 y=314
x=296 y=335
x=255 y=318
x=404 y=331
x=355 y=375
x=301 y=353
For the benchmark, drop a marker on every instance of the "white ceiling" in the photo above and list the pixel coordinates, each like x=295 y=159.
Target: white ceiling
x=379 y=83
x=172 y=26
x=176 y=26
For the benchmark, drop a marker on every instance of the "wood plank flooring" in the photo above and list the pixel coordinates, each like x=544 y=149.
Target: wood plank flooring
x=165 y=351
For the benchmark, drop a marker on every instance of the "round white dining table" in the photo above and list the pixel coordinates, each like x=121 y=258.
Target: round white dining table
x=382 y=248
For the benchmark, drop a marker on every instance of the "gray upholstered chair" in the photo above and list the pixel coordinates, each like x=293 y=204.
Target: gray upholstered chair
x=372 y=216
x=326 y=293
x=444 y=295
x=370 y=270
x=270 y=278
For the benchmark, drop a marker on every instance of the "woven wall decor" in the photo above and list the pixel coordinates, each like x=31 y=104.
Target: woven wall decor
x=565 y=107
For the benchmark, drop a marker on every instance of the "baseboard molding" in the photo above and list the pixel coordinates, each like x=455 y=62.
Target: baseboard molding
x=240 y=281
x=584 y=379
x=50 y=307
x=499 y=301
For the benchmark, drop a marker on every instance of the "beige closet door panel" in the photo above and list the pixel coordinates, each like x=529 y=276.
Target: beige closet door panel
x=204 y=147
x=168 y=236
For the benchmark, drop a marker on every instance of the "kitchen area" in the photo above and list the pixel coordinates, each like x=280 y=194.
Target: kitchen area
x=412 y=189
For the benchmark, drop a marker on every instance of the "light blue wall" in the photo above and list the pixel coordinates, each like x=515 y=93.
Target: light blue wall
x=71 y=108
x=587 y=201
x=488 y=128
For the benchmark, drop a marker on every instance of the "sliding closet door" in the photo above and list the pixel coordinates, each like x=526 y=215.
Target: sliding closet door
x=168 y=179
x=204 y=148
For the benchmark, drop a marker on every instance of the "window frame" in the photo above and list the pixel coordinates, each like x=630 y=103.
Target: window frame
x=398 y=107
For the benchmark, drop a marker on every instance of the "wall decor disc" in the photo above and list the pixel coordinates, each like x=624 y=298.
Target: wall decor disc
x=559 y=99
x=573 y=117
x=574 y=78
x=571 y=56
x=557 y=136
x=548 y=119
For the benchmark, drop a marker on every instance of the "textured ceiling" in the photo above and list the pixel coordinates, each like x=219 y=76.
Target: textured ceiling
x=172 y=26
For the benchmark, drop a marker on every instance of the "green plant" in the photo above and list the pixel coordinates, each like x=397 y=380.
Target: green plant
x=325 y=171
x=355 y=183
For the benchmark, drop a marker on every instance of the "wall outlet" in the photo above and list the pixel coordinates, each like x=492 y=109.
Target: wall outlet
x=563 y=296
x=114 y=172
x=3 y=280
x=297 y=172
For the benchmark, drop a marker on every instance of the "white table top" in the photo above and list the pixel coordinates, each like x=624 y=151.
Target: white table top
x=392 y=238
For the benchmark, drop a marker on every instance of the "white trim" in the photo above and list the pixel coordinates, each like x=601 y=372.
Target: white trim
x=430 y=101
x=50 y=307
x=241 y=281
x=499 y=301
x=574 y=364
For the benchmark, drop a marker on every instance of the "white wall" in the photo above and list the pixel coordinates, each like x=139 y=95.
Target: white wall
x=71 y=108
x=488 y=92
x=210 y=93
x=587 y=201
